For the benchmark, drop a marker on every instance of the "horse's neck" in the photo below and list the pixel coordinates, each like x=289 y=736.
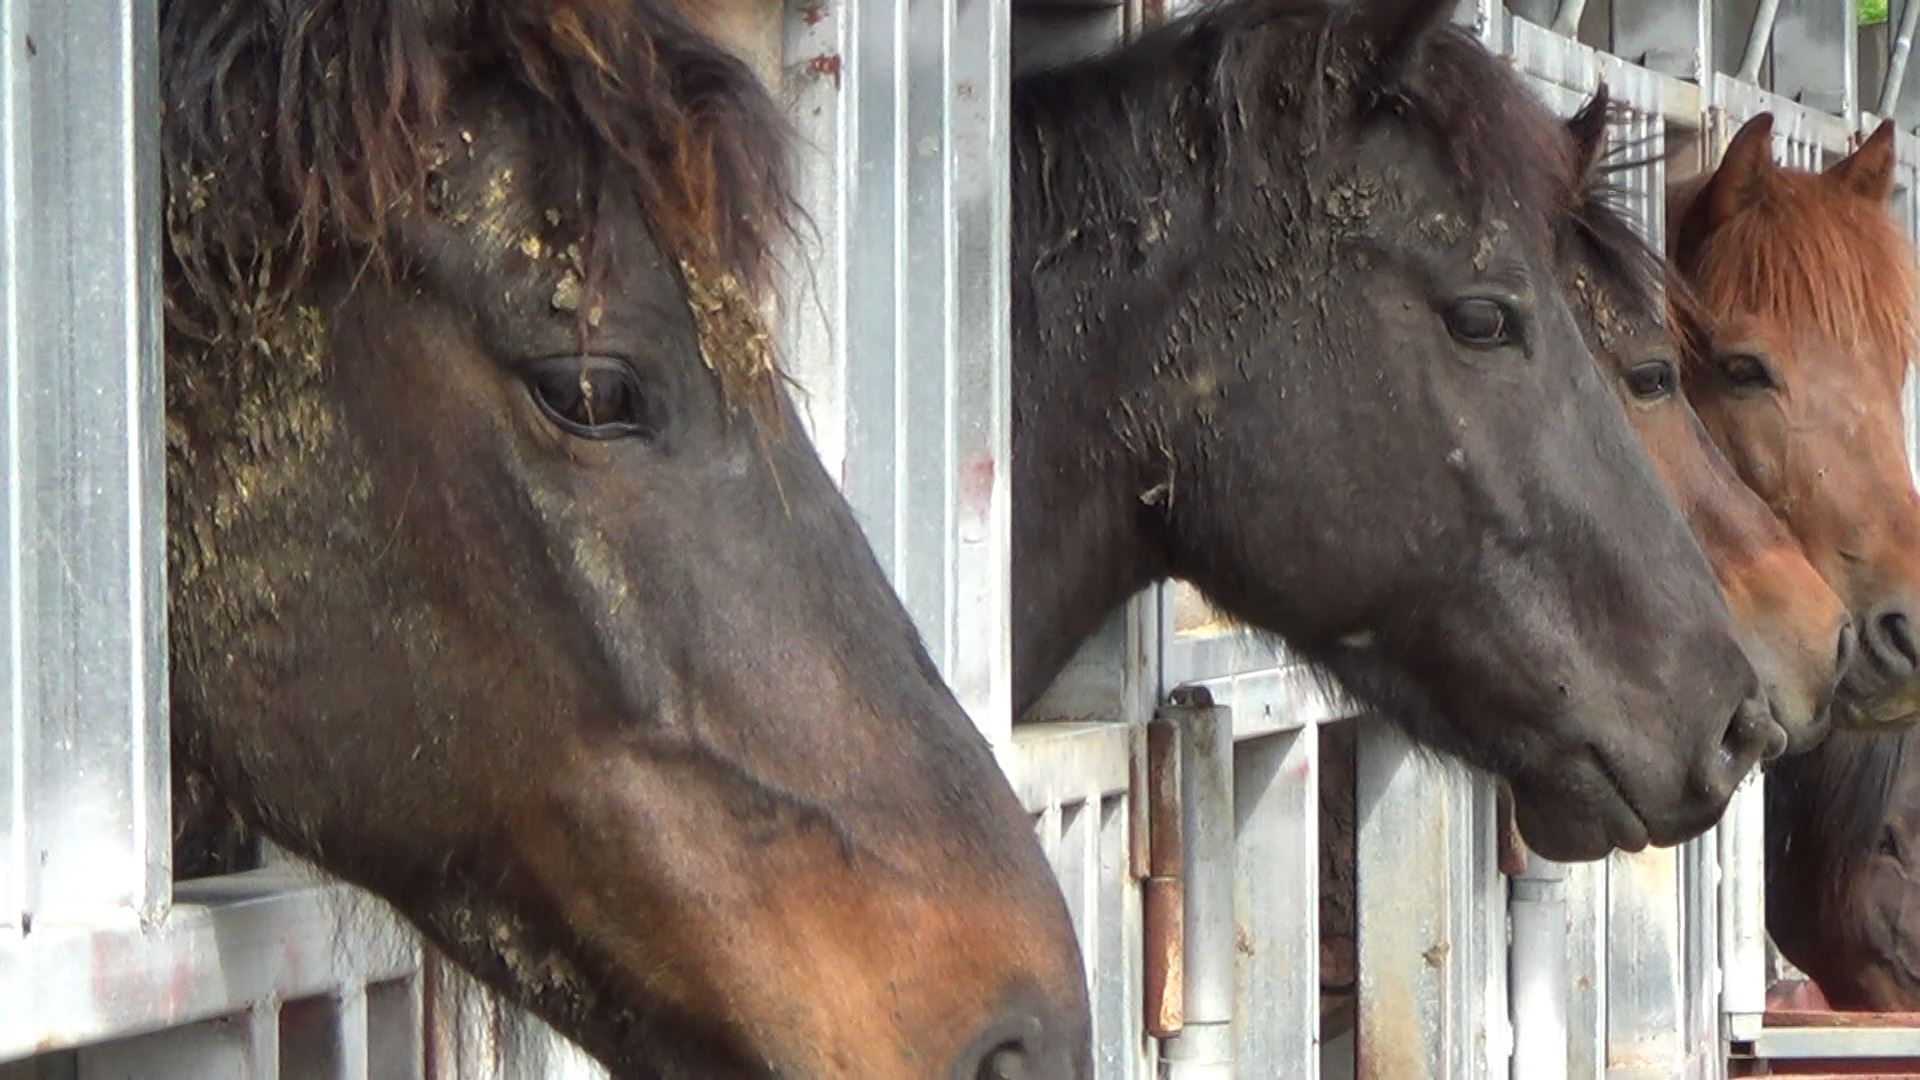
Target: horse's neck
x=1083 y=531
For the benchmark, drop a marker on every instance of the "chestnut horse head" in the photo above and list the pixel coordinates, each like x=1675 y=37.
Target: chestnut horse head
x=1642 y=326
x=1811 y=284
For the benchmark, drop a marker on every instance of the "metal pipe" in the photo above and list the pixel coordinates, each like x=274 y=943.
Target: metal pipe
x=1566 y=22
x=1537 y=970
x=1162 y=908
x=1897 y=59
x=1757 y=39
x=1204 y=1048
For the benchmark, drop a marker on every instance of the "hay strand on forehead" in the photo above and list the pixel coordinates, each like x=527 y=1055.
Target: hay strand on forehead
x=1800 y=252
x=296 y=129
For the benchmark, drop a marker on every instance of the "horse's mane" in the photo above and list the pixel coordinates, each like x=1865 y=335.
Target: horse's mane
x=1206 y=94
x=1797 y=251
x=1633 y=267
x=294 y=130
x=1837 y=798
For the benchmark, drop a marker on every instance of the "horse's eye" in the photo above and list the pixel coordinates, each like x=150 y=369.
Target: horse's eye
x=594 y=398
x=1480 y=322
x=1747 y=372
x=1654 y=380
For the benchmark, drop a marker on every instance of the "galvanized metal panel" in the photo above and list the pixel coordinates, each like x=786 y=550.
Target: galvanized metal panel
x=227 y=943
x=1815 y=59
x=1077 y=780
x=897 y=322
x=1276 y=785
x=85 y=668
x=1423 y=986
x=1673 y=37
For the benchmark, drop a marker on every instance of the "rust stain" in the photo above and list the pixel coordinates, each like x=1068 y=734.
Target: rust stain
x=826 y=65
x=1162 y=913
x=813 y=12
x=1437 y=955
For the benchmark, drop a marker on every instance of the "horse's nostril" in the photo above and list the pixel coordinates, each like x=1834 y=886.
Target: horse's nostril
x=1752 y=732
x=1008 y=1061
x=1896 y=632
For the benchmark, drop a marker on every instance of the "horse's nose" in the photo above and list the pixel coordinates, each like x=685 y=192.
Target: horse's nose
x=1891 y=644
x=1752 y=734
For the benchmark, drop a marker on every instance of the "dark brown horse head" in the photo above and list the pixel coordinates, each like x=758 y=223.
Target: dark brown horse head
x=504 y=582
x=1288 y=325
x=1642 y=328
x=1843 y=853
x=1812 y=287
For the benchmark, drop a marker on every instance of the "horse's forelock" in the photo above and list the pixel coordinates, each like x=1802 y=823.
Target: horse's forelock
x=303 y=125
x=1803 y=252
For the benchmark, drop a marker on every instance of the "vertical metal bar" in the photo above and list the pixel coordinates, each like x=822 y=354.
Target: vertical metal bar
x=396 y=1023
x=1566 y=22
x=1420 y=1004
x=1203 y=1050
x=1673 y=37
x=1276 y=798
x=979 y=645
x=1741 y=846
x=1901 y=49
x=904 y=323
x=16 y=724
x=1816 y=56
x=1757 y=39
x=84 y=443
x=1538 y=981
x=1644 y=964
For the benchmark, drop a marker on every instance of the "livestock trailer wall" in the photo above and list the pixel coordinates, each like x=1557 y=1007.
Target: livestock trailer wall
x=895 y=322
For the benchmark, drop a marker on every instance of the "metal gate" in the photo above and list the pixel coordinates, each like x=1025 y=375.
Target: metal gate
x=895 y=323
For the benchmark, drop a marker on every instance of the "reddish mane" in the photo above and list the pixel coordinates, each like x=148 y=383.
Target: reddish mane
x=1800 y=249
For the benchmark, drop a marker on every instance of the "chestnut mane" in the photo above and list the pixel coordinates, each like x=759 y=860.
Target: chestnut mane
x=1799 y=250
x=295 y=129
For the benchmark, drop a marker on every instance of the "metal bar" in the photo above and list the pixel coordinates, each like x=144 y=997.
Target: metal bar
x=1276 y=788
x=1816 y=56
x=83 y=443
x=1757 y=39
x=1897 y=59
x=1204 y=1046
x=1163 y=911
x=227 y=1048
x=1673 y=37
x=1743 y=917
x=1422 y=891
x=1837 y=1042
x=1537 y=981
x=227 y=943
x=1566 y=21
x=16 y=723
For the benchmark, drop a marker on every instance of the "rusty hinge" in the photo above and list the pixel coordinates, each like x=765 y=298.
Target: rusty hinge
x=1163 y=899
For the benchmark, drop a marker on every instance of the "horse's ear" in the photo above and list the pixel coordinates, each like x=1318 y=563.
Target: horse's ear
x=1389 y=32
x=1868 y=171
x=1588 y=130
x=1744 y=171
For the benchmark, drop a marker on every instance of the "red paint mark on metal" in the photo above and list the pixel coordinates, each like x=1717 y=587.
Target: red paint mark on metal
x=826 y=65
x=976 y=484
x=813 y=12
